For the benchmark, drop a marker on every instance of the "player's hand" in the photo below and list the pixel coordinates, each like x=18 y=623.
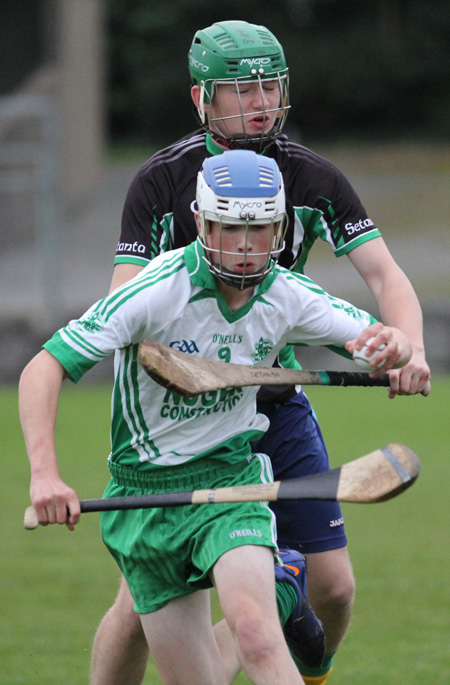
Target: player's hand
x=390 y=347
x=54 y=501
x=412 y=379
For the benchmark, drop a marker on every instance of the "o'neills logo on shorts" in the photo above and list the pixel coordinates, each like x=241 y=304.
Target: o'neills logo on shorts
x=246 y=533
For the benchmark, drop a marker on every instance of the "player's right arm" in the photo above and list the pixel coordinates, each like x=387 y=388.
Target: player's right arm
x=123 y=273
x=39 y=390
x=140 y=234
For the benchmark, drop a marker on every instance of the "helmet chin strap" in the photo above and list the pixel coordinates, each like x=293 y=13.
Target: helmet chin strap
x=227 y=143
x=230 y=144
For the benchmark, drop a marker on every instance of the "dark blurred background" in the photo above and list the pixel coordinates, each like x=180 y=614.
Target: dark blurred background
x=90 y=88
x=379 y=67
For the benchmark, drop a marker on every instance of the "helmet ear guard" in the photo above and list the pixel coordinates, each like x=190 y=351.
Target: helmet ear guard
x=241 y=188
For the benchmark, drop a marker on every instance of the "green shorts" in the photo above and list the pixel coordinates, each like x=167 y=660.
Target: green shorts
x=168 y=552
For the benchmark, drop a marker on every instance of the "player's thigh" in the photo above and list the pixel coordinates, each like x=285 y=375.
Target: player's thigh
x=182 y=643
x=123 y=609
x=124 y=600
x=244 y=579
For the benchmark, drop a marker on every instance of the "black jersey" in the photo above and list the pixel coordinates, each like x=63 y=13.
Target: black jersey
x=158 y=214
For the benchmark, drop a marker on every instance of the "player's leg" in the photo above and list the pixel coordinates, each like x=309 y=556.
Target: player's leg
x=295 y=445
x=331 y=589
x=249 y=604
x=120 y=651
x=227 y=649
x=182 y=642
x=294 y=612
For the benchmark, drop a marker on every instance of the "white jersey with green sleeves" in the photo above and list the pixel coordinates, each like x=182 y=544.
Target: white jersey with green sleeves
x=176 y=300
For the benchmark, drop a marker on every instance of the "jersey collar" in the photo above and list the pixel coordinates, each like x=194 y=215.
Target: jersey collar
x=197 y=267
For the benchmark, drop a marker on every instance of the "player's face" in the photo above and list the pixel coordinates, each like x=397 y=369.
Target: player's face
x=249 y=108
x=239 y=248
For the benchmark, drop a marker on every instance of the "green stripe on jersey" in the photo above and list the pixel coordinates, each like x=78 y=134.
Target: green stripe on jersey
x=348 y=247
x=129 y=430
x=75 y=363
x=109 y=305
x=140 y=261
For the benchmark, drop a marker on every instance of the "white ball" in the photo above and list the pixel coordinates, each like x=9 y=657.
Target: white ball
x=363 y=361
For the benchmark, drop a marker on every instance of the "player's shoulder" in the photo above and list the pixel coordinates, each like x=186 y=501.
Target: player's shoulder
x=290 y=153
x=185 y=151
x=165 y=263
x=290 y=291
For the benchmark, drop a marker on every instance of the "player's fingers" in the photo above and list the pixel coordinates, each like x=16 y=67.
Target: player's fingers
x=42 y=515
x=61 y=510
x=394 y=385
x=412 y=381
x=426 y=389
x=370 y=332
x=52 y=516
x=72 y=513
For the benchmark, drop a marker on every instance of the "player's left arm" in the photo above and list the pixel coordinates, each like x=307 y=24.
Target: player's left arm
x=399 y=307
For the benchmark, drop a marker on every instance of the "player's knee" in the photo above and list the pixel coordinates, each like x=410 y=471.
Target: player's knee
x=255 y=641
x=339 y=591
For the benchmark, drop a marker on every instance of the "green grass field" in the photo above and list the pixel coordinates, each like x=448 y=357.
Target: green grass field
x=56 y=585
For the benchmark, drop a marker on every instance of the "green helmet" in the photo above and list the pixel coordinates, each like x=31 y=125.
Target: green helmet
x=236 y=52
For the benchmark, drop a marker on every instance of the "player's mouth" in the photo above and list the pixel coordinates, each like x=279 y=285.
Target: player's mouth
x=260 y=122
x=242 y=268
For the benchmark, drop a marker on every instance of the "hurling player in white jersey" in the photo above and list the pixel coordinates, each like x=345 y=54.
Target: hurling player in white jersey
x=240 y=91
x=170 y=557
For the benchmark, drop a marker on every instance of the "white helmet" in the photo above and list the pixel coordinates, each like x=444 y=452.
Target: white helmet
x=241 y=187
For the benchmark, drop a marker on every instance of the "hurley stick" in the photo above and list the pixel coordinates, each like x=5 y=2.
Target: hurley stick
x=376 y=477
x=188 y=375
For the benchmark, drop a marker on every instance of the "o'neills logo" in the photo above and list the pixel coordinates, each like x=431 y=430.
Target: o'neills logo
x=256 y=61
x=131 y=247
x=246 y=532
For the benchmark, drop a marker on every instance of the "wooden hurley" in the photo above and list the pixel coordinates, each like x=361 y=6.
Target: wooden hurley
x=376 y=477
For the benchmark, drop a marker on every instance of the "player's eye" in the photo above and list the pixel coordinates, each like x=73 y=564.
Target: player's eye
x=230 y=227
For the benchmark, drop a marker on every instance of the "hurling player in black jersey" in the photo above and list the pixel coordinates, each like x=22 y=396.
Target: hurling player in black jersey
x=240 y=91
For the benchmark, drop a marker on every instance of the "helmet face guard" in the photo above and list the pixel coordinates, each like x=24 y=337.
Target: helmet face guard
x=218 y=125
x=241 y=188
x=245 y=279
x=235 y=52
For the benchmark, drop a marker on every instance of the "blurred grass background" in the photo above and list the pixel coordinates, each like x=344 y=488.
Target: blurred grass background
x=56 y=585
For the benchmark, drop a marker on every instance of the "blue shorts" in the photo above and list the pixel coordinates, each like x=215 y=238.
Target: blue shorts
x=296 y=448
